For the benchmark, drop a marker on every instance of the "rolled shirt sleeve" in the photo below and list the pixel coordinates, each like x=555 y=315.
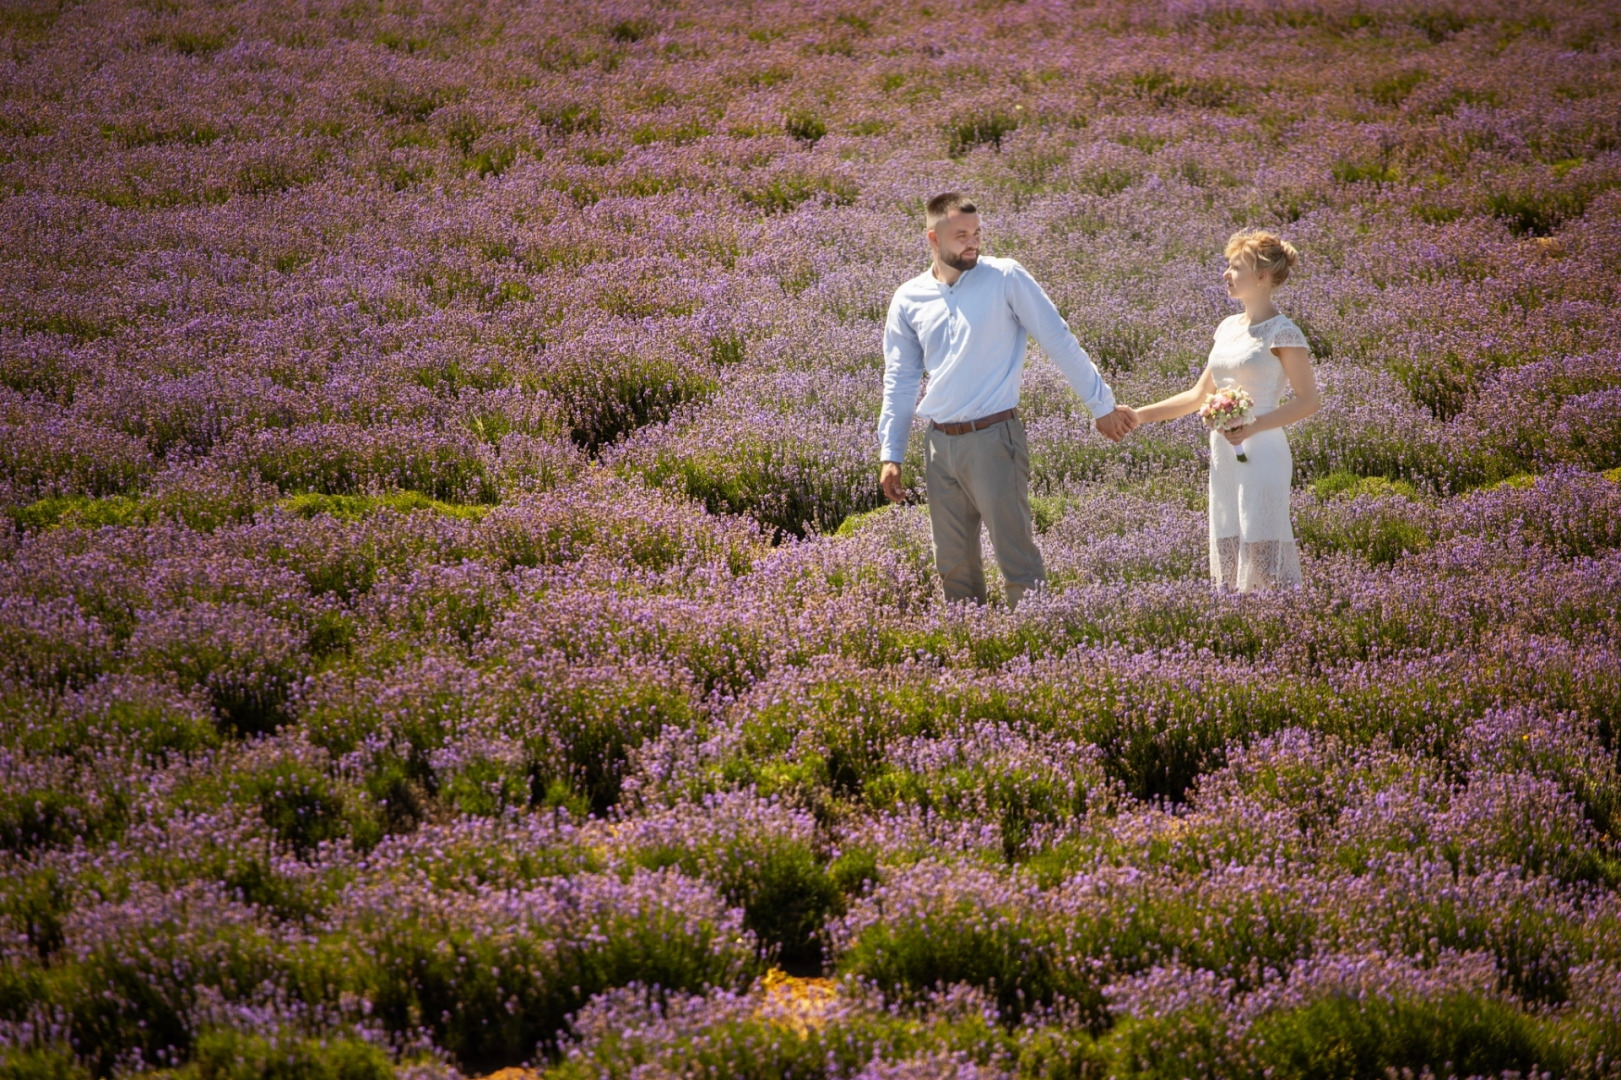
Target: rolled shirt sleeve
x=1039 y=315
x=903 y=374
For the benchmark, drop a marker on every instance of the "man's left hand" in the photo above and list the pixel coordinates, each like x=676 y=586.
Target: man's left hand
x=1116 y=425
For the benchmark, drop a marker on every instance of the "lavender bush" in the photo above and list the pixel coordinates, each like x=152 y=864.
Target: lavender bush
x=449 y=620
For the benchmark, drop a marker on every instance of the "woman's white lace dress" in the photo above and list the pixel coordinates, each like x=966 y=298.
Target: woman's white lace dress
x=1251 y=542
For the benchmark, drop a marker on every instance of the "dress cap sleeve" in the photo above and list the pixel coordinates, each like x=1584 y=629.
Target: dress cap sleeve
x=1287 y=335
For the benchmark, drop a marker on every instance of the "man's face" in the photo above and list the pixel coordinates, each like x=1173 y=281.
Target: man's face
x=955 y=238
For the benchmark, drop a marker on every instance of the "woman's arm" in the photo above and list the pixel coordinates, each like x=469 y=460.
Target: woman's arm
x=1181 y=404
x=1296 y=365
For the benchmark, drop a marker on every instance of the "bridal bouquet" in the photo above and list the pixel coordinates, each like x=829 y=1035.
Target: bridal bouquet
x=1226 y=409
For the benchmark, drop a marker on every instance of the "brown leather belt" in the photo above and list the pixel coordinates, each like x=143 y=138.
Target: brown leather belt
x=965 y=426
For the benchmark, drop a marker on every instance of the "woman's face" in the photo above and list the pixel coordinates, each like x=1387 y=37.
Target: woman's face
x=1243 y=282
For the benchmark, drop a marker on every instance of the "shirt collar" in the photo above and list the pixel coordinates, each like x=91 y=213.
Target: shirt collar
x=929 y=273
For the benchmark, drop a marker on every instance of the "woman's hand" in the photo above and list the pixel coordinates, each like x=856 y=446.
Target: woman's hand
x=1239 y=434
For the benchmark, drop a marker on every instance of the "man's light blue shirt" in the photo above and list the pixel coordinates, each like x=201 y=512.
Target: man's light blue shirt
x=970 y=337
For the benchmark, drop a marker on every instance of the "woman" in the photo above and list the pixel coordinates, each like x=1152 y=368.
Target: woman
x=1260 y=349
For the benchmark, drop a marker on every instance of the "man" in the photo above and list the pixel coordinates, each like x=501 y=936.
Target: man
x=965 y=321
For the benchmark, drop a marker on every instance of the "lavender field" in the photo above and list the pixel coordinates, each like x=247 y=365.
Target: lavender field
x=449 y=619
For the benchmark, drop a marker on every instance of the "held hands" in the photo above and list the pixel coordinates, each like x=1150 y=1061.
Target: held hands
x=1113 y=426
x=1116 y=425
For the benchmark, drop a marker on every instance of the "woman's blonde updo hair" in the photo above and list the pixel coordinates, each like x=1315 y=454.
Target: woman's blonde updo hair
x=1265 y=251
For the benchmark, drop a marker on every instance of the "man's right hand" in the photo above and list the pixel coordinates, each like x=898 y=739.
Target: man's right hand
x=889 y=478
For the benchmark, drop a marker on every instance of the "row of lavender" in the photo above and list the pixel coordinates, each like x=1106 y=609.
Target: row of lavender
x=445 y=620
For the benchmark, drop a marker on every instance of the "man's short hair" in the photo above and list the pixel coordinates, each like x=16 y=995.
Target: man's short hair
x=945 y=203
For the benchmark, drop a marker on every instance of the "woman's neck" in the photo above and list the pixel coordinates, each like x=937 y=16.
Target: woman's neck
x=1259 y=310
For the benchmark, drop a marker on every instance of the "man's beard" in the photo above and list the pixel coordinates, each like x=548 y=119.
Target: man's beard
x=959 y=262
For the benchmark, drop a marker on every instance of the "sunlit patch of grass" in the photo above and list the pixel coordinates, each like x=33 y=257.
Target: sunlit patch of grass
x=201 y=510
x=309 y=504
x=1350 y=485
x=787 y=191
